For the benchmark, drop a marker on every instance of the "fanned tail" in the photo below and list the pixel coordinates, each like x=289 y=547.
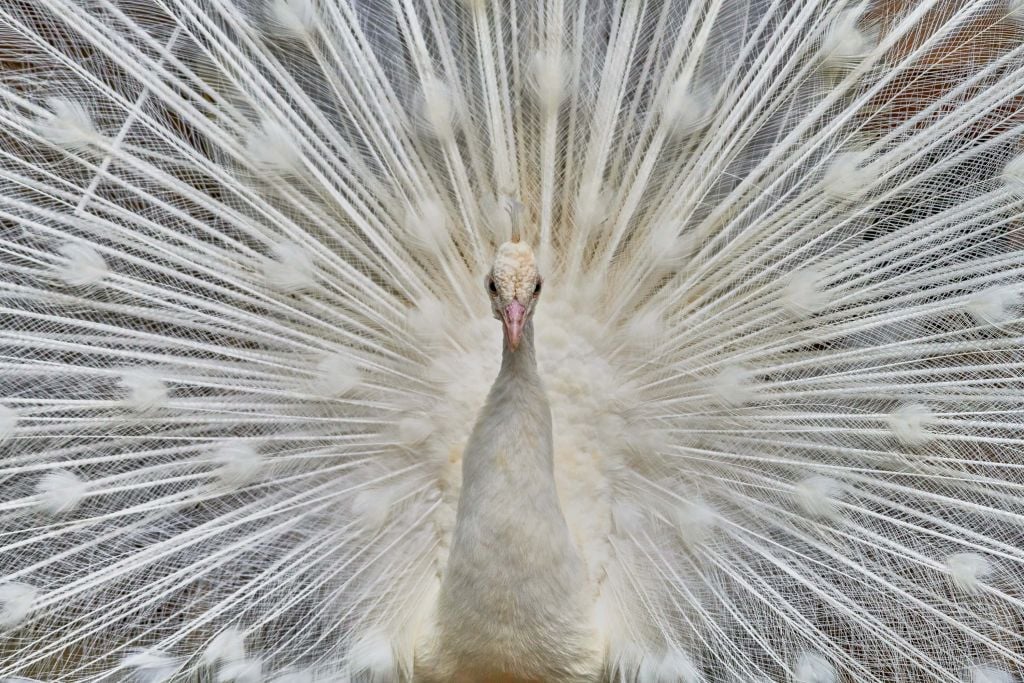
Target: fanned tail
x=241 y=246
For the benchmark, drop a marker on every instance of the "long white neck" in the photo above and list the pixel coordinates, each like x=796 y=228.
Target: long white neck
x=520 y=364
x=513 y=595
x=508 y=467
x=515 y=422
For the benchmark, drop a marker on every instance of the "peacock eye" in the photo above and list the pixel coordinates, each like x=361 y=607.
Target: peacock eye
x=491 y=287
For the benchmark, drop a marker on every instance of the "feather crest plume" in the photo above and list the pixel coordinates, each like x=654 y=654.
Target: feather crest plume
x=244 y=336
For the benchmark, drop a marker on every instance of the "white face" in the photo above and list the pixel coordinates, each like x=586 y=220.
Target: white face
x=514 y=286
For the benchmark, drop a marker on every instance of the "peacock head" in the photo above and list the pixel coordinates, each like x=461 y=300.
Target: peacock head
x=514 y=287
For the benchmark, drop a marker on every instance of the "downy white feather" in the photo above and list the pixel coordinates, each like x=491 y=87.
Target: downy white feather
x=60 y=491
x=983 y=673
x=226 y=647
x=151 y=666
x=811 y=667
x=84 y=267
x=16 y=602
x=8 y=422
x=144 y=390
x=966 y=570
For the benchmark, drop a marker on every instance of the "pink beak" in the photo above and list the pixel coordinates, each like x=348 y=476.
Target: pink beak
x=513 y=319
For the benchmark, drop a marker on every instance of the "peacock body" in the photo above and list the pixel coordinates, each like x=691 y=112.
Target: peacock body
x=763 y=423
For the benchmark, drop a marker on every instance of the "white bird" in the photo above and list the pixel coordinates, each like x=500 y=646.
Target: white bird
x=514 y=597
x=755 y=385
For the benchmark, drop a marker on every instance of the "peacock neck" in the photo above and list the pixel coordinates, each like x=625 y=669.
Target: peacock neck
x=508 y=483
x=512 y=567
x=514 y=426
x=522 y=362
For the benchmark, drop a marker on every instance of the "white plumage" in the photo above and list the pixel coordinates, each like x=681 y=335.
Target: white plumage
x=60 y=491
x=764 y=424
x=16 y=601
x=150 y=666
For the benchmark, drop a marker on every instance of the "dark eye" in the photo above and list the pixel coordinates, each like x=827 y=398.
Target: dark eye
x=491 y=287
x=536 y=288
